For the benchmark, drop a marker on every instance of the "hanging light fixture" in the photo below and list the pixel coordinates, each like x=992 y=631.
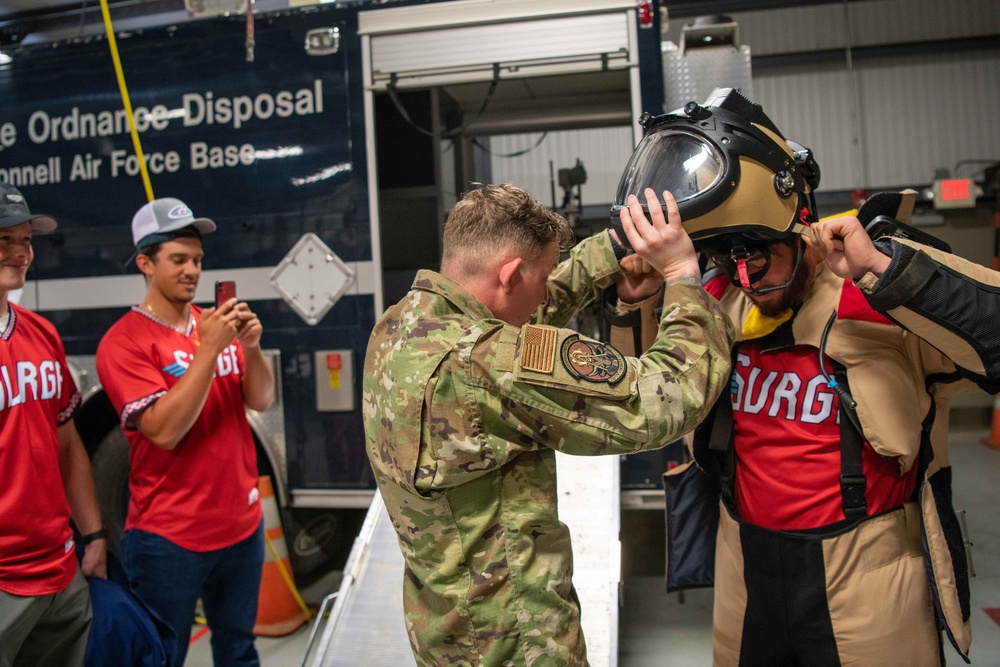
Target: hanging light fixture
x=200 y=8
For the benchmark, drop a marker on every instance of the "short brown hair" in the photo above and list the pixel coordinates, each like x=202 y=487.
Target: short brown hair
x=151 y=251
x=496 y=218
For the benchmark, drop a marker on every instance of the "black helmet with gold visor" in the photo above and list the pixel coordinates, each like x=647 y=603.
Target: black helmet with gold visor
x=739 y=185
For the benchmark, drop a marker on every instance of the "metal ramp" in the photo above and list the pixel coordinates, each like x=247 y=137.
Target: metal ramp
x=366 y=627
x=589 y=503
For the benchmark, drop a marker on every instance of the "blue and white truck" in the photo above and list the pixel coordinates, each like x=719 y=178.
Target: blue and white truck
x=327 y=142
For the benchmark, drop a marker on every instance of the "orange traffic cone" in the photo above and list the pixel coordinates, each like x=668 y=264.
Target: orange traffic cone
x=994 y=439
x=280 y=609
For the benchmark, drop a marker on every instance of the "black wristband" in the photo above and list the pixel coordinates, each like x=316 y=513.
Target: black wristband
x=629 y=320
x=96 y=535
x=619 y=250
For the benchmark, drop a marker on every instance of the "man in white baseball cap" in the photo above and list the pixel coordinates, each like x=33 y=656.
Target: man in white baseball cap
x=180 y=377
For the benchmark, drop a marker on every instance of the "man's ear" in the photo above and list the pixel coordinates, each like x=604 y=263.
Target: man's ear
x=510 y=274
x=145 y=264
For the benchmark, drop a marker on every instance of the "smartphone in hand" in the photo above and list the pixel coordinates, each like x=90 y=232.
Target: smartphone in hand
x=224 y=291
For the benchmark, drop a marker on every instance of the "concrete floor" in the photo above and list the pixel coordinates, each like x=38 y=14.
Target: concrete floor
x=659 y=630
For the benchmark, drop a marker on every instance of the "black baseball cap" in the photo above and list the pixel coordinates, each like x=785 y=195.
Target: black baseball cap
x=14 y=211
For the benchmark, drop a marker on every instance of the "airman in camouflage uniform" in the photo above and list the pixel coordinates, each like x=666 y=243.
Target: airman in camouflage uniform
x=464 y=411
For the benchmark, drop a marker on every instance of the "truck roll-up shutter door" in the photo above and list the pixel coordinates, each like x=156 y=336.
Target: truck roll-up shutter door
x=473 y=40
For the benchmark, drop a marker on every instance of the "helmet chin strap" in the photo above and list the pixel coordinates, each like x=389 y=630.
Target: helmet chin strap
x=742 y=273
x=774 y=288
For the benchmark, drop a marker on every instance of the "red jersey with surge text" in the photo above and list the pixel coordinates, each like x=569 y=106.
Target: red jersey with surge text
x=787 y=437
x=201 y=495
x=37 y=395
x=786 y=430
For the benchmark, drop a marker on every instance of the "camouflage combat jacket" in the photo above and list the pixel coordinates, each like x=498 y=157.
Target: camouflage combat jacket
x=463 y=414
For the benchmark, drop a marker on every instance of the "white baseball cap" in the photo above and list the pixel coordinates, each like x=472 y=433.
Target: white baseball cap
x=154 y=222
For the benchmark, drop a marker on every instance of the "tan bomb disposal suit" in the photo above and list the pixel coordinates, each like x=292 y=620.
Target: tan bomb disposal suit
x=885 y=576
x=463 y=415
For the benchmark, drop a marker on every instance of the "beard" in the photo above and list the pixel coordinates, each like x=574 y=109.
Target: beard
x=791 y=296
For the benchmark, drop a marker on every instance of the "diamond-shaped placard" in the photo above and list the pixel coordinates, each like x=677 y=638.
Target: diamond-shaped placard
x=311 y=278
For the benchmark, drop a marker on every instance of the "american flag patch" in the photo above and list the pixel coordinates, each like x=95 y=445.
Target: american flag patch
x=538 y=348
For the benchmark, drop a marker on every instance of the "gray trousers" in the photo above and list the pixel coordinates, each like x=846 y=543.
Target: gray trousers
x=46 y=630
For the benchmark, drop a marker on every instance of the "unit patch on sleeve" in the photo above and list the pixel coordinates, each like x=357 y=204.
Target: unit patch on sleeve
x=538 y=348
x=592 y=360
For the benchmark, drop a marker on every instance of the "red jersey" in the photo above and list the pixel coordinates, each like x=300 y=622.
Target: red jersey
x=201 y=495
x=37 y=395
x=787 y=436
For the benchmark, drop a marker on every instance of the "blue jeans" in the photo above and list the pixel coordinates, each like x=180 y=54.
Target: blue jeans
x=170 y=579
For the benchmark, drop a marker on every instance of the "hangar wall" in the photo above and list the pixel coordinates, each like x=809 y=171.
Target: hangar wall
x=918 y=91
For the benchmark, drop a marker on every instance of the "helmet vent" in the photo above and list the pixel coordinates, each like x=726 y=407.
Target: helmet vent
x=784 y=183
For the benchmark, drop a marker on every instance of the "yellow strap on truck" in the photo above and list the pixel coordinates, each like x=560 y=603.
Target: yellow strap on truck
x=113 y=45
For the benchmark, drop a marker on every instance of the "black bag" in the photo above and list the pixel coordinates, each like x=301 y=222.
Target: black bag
x=692 y=523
